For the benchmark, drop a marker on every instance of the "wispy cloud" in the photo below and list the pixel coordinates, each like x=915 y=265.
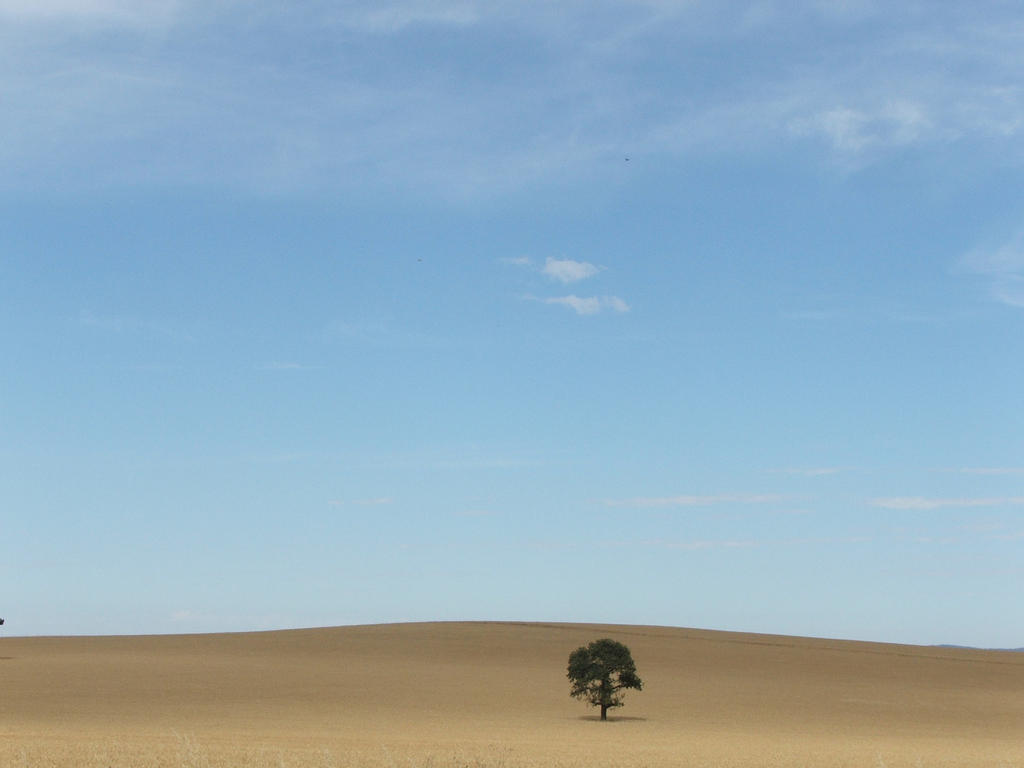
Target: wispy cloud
x=372 y=502
x=695 y=501
x=811 y=471
x=185 y=107
x=375 y=333
x=1014 y=536
x=925 y=503
x=561 y=270
x=395 y=16
x=113 y=323
x=1002 y=268
x=145 y=12
x=857 y=130
x=694 y=545
x=285 y=366
x=125 y=324
x=814 y=315
x=569 y=271
x=991 y=470
x=861 y=313
x=587 y=305
x=476 y=513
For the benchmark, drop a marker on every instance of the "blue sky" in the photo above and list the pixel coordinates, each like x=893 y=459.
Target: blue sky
x=685 y=313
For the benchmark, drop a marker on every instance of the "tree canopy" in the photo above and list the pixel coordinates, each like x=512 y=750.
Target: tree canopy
x=600 y=671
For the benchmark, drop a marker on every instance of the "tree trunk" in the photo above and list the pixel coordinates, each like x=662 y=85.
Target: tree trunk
x=604 y=711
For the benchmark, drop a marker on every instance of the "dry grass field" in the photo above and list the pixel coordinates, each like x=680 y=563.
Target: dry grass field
x=495 y=695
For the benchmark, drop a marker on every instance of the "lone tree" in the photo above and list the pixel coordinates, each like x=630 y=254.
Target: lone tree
x=598 y=673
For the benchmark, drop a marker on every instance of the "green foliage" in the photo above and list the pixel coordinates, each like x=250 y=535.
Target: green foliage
x=600 y=671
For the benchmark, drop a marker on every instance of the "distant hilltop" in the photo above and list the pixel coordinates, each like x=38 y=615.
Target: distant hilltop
x=976 y=648
x=501 y=691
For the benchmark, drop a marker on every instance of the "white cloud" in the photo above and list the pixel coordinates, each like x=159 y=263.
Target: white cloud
x=569 y=271
x=923 y=503
x=694 y=501
x=581 y=306
x=590 y=305
x=615 y=303
x=851 y=130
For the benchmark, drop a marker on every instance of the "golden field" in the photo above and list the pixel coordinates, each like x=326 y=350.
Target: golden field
x=495 y=694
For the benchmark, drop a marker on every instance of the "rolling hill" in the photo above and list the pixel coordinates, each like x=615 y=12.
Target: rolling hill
x=495 y=694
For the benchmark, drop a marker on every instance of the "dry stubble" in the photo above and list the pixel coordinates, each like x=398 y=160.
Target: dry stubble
x=495 y=694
